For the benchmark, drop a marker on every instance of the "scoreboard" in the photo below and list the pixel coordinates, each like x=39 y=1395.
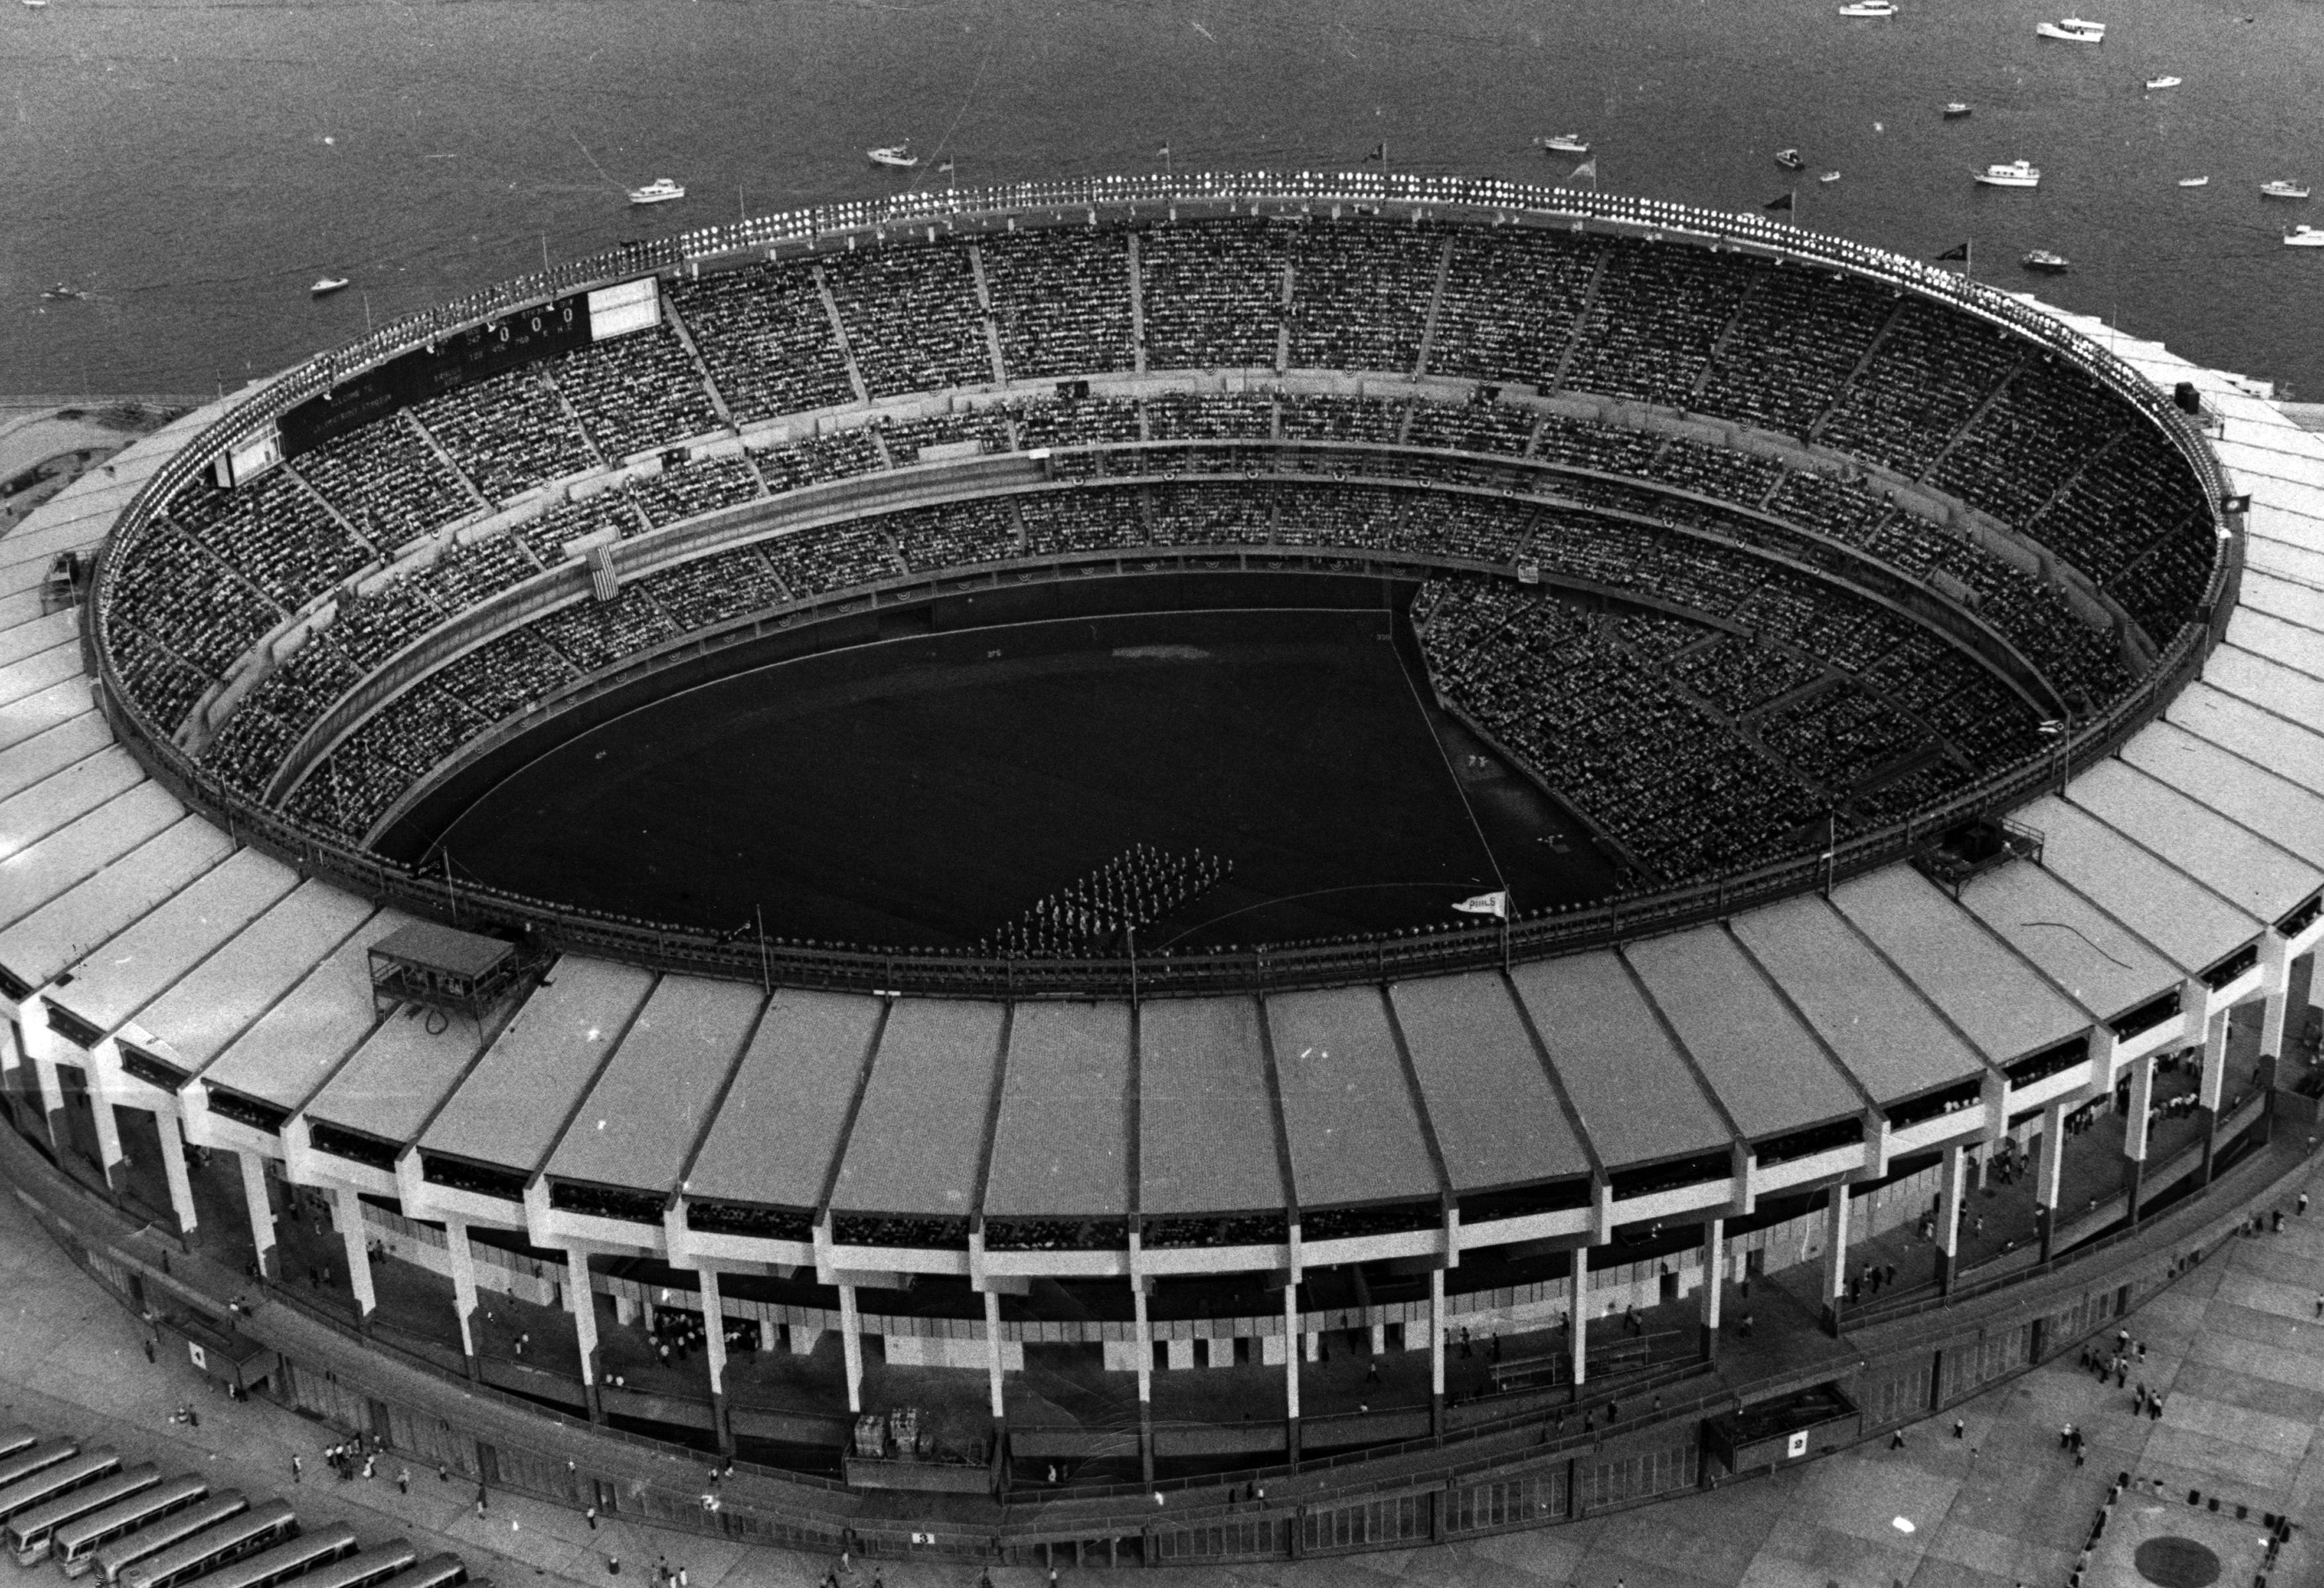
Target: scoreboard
x=477 y=353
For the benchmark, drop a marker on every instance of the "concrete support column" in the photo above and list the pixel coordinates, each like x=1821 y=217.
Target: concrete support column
x=581 y=1298
x=463 y=1264
x=1145 y=1337
x=1714 y=1282
x=173 y=1169
x=1436 y=1352
x=1577 y=1289
x=992 y=1357
x=2049 y=1173
x=108 y=1135
x=346 y=1212
x=1952 y=1184
x=2209 y=1088
x=714 y=1356
x=2133 y=1132
x=1835 y=1257
x=1291 y=1371
x=52 y=1101
x=262 y=1213
x=2275 y=992
x=851 y=1345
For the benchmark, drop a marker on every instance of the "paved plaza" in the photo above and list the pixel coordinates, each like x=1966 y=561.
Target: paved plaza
x=2236 y=1350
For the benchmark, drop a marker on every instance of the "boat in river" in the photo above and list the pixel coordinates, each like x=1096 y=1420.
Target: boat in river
x=898 y=156
x=2282 y=191
x=1789 y=159
x=2164 y=82
x=2194 y=181
x=1868 y=8
x=1955 y=110
x=60 y=293
x=2046 y=261
x=1830 y=176
x=1565 y=143
x=2304 y=237
x=2073 y=30
x=325 y=285
x=661 y=190
x=2016 y=173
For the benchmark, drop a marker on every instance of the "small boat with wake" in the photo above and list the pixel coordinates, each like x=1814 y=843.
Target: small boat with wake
x=1955 y=110
x=2194 y=181
x=1868 y=8
x=325 y=285
x=2073 y=30
x=2164 y=82
x=1565 y=143
x=2016 y=173
x=1830 y=176
x=661 y=190
x=896 y=156
x=2042 y=260
x=2304 y=237
x=2282 y=191
x=60 y=293
x=1789 y=159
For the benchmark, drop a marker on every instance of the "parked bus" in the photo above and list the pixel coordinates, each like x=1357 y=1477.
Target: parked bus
x=12 y=1440
x=438 y=1571
x=305 y=1554
x=111 y=1560
x=16 y=1468
x=31 y=1531
x=75 y=1472
x=74 y=1546
x=363 y=1571
x=263 y=1527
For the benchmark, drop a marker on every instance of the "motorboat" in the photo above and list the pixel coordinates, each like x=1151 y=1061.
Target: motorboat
x=1565 y=143
x=36 y=4
x=2304 y=237
x=1955 y=110
x=1789 y=159
x=2164 y=82
x=325 y=285
x=897 y=156
x=1830 y=176
x=2194 y=181
x=2046 y=261
x=2016 y=174
x=2073 y=30
x=62 y=293
x=2282 y=191
x=1868 y=8
x=661 y=190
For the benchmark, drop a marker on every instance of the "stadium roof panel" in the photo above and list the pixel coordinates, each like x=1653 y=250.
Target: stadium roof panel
x=778 y=1130
x=114 y=982
x=1633 y=1091
x=1888 y=1034
x=45 y=942
x=1062 y=1145
x=48 y=806
x=2267 y=683
x=1767 y=1070
x=294 y=1047
x=2288 y=644
x=1347 y=1106
x=919 y=1140
x=53 y=750
x=37 y=714
x=29 y=674
x=514 y=1102
x=1987 y=989
x=1498 y=1121
x=2162 y=904
x=1206 y=1117
x=394 y=1080
x=45 y=870
x=2292 y=751
x=640 y=1122
x=20 y=641
x=2282 y=598
x=208 y=1007
x=2092 y=957
x=2261 y=878
x=2241 y=789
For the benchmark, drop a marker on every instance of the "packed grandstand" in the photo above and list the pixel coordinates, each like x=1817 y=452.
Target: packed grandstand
x=1855 y=547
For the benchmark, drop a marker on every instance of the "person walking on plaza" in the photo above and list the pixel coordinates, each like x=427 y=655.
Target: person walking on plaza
x=590 y=1516
x=298 y=1469
x=403 y=1480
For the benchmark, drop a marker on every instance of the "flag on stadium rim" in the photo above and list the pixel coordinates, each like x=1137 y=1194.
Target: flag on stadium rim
x=1959 y=252
x=1783 y=203
x=1493 y=904
x=1587 y=168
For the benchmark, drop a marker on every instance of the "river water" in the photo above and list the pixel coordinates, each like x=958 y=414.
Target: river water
x=193 y=164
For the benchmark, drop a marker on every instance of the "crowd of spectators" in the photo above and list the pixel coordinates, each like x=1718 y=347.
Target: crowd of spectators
x=1360 y=292
x=714 y=589
x=636 y=393
x=546 y=536
x=508 y=433
x=595 y=635
x=1925 y=376
x=1060 y=300
x=837 y=557
x=1027 y=1234
x=988 y=427
x=1657 y=317
x=275 y=533
x=928 y=1230
x=765 y=334
x=697 y=485
x=960 y=534
x=1215 y=295
x=386 y=480
x=1510 y=305
x=1794 y=342
x=913 y=320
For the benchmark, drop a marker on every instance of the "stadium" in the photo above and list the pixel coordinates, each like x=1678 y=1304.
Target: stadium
x=1905 y=981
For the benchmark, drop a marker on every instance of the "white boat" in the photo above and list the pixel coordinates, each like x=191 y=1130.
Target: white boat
x=2163 y=82
x=2282 y=191
x=2304 y=237
x=36 y=4
x=1830 y=176
x=2018 y=173
x=2194 y=181
x=1565 y=143
x=2073 y=30
x=64 y=294
x=325 y=285
x=2047 y=263
x=898 y=155
x=661 y=190
x=1789 y=159
x=1868 y=8
x=1955 y=111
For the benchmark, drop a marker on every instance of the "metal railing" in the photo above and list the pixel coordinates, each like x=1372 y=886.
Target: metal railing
x=1267 y=967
